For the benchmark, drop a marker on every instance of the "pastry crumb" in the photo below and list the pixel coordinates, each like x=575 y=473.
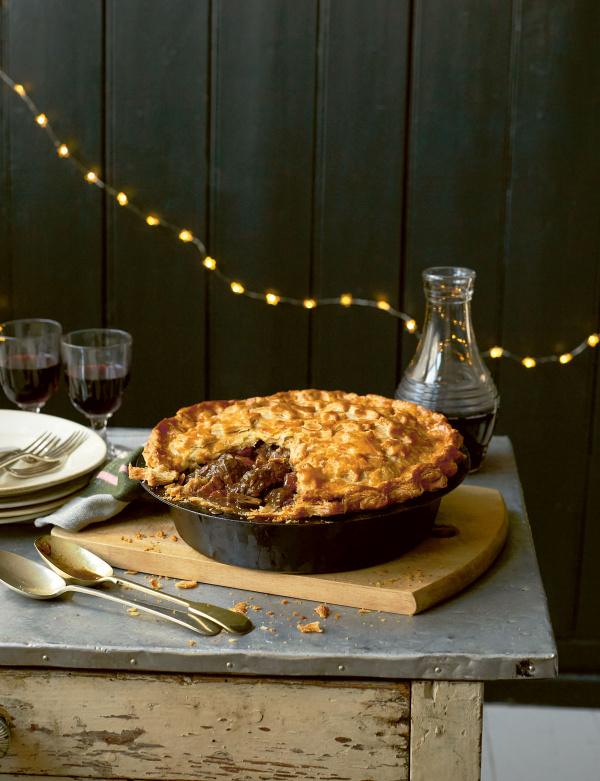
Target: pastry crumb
x=271 y=630
x=139 y=536
x=187 y=584
x=133 y=611
x=256 y=607
x=322 y=610
x=364 y=610
x=312 y=627
x=192 y=642
x=161 y=534
x=155 y=584
x=174 y=538
x=285 y=601
x=131 y=572
x=270 y=613
x=233 y=639
x=337 y=615
x=241 y=607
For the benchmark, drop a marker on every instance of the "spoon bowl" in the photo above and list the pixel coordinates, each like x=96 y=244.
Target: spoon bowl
x=70 y=560
x=29 y=577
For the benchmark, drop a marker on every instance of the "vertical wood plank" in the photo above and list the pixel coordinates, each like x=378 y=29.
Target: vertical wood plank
x=56 y=218
x=457 y=157
x=587 y=626
x=358 y=190
x=445 y=730
x=262 y=110
x=551 y=301
x=157 y=124
x=6 y=99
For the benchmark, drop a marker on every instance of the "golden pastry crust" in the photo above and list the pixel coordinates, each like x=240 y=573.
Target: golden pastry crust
x=349 y=453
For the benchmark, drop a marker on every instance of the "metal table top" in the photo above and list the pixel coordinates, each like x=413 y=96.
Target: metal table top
x=498 y=628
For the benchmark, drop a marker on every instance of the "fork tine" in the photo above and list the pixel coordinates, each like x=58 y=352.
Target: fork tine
x=48 y=442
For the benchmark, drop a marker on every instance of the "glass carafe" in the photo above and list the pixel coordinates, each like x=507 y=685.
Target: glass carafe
x=447 y=373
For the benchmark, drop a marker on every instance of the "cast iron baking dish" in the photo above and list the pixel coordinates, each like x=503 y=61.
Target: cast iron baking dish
x=337 y=544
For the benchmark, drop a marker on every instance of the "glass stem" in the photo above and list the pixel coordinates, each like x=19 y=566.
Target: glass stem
x=98 y=424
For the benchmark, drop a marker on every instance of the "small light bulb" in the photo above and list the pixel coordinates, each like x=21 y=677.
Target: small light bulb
x=63 y=150
x=237 y=288
x=346 y=299
x=565 y=358
x=91 y=176
x=19 y=89
x=209 y=263
x=309 y=303
x=528 y=362
x=593 y=340
x=42 y=120
x=411 y=326
x=152 y=220
x=185 y=236
x=496 y=352
x=272 y=299
x=383 y=305
x=122 y=199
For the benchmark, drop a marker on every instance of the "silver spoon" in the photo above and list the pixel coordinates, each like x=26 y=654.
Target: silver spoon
x=32 y=579
x=71 y=560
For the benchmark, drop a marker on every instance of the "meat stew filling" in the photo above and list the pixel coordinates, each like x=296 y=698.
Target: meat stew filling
x=246 y=479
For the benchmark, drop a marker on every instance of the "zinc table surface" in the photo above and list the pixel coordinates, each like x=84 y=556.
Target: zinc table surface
x=498 y=628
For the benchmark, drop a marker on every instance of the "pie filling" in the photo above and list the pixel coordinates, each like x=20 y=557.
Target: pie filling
x=245 y=480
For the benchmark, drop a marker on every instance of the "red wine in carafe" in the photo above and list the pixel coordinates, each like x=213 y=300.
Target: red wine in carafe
x=477 y=432
x=28 y=379
x=97 y=390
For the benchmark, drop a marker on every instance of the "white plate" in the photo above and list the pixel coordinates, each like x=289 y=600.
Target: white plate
x=36 y=511
x=45 y=495
x=18 y=429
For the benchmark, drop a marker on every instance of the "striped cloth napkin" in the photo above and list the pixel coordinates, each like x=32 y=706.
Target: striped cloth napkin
x=109 y=491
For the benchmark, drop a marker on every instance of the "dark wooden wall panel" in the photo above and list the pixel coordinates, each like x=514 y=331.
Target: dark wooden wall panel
x=358 y=191
x=6 y=102
x=456 y=168
x=56 y=217
x=551 y=301
x=587 y=623
x=157 y=70
x=263 y=93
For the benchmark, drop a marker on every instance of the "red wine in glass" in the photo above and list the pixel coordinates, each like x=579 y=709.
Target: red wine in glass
x=30 y=379
x=96 y=363
x=30 y=361
x=97 y=390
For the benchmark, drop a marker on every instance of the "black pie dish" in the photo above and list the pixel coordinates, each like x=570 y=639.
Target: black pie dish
x=335 y=544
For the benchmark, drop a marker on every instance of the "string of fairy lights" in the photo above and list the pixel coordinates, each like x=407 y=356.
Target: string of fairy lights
x=269 y=297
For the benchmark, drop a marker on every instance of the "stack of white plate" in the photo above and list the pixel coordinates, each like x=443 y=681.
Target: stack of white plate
x=34 y=497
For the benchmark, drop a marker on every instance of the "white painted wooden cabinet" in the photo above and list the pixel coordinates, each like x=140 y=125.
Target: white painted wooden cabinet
x=72 y=725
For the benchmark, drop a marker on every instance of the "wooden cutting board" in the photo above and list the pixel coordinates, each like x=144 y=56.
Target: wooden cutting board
x=469 y=532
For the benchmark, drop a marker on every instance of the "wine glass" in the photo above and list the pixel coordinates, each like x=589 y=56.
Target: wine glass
x=96 y=364
x=30 y=361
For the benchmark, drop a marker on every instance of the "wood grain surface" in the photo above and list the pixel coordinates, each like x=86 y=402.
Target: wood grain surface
x=433 y=571
x=106 y=725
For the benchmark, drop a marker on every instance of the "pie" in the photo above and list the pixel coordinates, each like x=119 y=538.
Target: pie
x=300 y=454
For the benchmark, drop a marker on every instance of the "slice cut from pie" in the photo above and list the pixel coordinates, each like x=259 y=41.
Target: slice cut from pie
x=300 y=454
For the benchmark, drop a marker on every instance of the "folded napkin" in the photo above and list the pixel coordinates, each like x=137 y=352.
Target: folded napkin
x=109 y=492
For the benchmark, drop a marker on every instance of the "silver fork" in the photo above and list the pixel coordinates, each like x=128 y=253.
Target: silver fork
x=38 y=447
x=52 y=460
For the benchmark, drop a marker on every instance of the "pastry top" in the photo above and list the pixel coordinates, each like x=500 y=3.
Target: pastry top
x=345 y=453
